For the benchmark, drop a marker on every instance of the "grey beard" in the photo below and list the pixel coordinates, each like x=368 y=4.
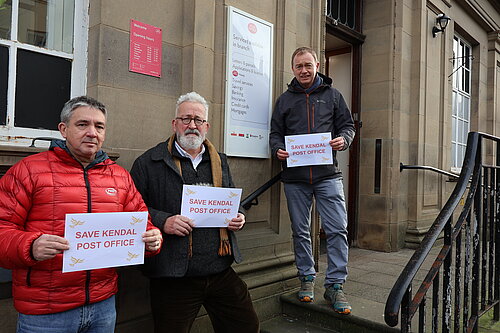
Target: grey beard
x=190 y=142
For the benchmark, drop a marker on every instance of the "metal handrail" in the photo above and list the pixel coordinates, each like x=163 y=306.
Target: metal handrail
x=469 y=180
x=41 y=138
x=425 y=167
x=408 y=274
x=253 y=198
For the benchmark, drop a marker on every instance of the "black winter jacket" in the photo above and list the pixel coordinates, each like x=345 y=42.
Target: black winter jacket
x=158 y=180
x=322 y=110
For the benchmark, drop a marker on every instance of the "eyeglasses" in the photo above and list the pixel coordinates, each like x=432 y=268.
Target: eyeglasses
x=187 y=121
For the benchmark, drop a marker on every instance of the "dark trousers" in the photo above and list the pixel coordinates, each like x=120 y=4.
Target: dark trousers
x=175 y=302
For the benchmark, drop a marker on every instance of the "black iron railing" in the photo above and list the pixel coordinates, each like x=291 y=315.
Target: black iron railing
x=41 y=138
x=253 y=198
x=464 y=280
x=426 y=167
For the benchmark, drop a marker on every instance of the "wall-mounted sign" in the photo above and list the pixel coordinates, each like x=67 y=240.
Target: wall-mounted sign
x=145 y=49
x=248 y=103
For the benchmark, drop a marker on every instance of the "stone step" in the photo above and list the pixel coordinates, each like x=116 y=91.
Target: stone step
x=320 y=314
x=289 y=324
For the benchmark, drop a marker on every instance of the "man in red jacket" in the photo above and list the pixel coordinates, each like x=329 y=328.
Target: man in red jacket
x=73 y=176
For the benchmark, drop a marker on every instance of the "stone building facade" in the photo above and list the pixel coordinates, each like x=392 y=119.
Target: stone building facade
x=412 y=96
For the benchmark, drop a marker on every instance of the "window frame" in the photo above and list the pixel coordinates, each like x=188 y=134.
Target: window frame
x=11 y=135
x=459 y=117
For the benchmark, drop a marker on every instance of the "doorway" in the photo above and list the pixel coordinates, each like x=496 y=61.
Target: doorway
x=343 y=66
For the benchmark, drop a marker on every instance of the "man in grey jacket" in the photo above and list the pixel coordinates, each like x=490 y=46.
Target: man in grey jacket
x=194 y=268
x=311 y=105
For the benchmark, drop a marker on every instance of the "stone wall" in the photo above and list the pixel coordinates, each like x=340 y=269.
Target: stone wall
x=407 y=104
x=142 y=107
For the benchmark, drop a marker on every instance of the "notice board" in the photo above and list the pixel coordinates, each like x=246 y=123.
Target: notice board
x=248 y=104
x=145 y=49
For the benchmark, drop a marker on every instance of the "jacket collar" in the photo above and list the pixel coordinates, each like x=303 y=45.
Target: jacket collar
x=160 y=153
x=100 y=156
x=295 y=86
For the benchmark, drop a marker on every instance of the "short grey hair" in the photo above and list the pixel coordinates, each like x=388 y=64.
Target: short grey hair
x=80 y=101
x=302 y=50
x=193 y=97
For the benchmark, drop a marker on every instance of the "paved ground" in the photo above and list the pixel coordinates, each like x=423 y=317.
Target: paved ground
x=371 y=277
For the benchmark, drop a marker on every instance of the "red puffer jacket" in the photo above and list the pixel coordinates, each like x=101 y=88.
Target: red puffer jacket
x=35 y=196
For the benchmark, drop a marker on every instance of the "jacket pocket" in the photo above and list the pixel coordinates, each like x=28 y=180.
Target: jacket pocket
x=28 y=277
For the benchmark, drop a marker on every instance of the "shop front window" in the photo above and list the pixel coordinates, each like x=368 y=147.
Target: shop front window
x=42 y=64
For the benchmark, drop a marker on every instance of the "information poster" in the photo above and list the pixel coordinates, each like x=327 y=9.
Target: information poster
x=99 y=240
x=309 y=149
x=145 y=49
x=248 y=104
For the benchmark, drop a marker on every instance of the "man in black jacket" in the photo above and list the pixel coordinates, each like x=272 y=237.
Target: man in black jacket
x=311 y=105
x=194 y=267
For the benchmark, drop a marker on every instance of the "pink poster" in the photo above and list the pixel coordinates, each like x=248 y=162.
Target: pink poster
x=145 y=49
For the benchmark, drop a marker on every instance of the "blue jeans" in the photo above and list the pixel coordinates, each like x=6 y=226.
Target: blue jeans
x=98 y=317
x=330 y=202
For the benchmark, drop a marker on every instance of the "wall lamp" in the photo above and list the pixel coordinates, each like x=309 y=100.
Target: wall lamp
x=441 y=21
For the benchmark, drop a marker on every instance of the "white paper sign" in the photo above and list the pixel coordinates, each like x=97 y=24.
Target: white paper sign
x=210 y=206
x=102 y=240
x=309 y=149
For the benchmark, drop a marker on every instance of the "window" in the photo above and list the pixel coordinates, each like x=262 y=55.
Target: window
x=343 y=11
x=43 y=47
x=460 y=123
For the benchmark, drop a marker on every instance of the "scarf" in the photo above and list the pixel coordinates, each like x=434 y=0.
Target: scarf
x=216 y=167
x=316 y=83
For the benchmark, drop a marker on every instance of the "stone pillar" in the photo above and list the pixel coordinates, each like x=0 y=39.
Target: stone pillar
x=430 y=119
x=382 y=210
x=493 y=83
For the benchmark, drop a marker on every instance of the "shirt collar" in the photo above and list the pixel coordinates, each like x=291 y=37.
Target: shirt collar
x=194 y=160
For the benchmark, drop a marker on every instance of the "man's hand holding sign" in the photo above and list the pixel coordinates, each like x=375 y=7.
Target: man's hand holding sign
x=153 y=239
x=48 y=246
x=237 y=222
x=337 y=143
